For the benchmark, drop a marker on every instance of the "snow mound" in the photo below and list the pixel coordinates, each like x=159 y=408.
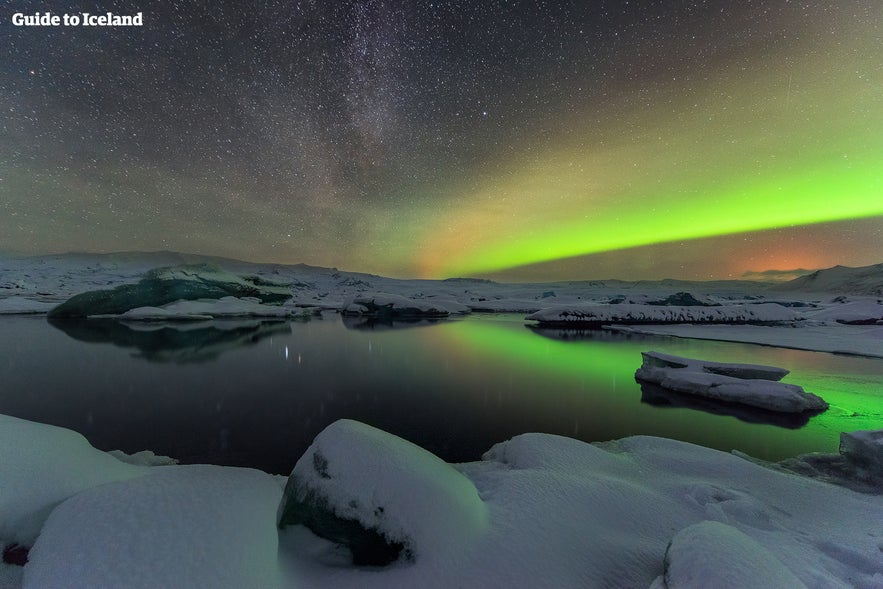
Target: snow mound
x=713 y=554
x=389 y=305
x=364 y=488
x=183 y=526
x=42 y=465
x=597 y=315
x=162 y=286
x=732 y=383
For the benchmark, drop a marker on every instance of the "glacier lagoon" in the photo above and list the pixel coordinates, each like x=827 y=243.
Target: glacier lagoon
x=255 y=393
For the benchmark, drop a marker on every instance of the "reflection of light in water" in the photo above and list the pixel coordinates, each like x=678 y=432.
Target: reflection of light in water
x=286 y=353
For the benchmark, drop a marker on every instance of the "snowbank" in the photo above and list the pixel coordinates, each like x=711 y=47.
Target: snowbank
x=551 y=512
x=745 y=384
x=713 y=554
x=597 y=315
x=861 y=312
x=182 y=526
x=41 y=466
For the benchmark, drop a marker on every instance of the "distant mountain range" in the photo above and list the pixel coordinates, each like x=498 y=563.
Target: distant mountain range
x=865 y=280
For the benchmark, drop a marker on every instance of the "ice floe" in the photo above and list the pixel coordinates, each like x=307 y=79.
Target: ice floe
x=744 y=384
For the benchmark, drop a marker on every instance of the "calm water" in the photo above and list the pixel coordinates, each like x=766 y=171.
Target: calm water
x=255 y=393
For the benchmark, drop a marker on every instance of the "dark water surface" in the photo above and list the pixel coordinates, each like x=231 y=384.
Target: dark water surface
x=254 y=393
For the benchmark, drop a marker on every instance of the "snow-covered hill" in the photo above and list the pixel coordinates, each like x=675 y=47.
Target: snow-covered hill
x=865 y=280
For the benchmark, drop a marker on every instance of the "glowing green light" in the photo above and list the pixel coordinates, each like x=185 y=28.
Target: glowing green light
x=836 y=191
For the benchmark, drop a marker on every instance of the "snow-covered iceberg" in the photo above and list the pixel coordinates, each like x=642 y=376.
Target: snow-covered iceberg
x=744 y=384
x=162 y=286
x=596 y=315
x=383 y=305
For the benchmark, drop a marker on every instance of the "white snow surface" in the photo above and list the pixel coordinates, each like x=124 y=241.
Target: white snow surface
x=710 y=380
x=713 y=554
x=636 y=313
x=560 y=513
x=42 y=465
x=182 y=526
x=863 y=310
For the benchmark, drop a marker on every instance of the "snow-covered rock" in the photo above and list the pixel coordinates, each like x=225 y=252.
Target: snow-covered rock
x=684 y=299
x=162 y=286
x=732 y=383
x=858 y=465
x=864 y=448
x=598 y=315
x=381 y=496
x=389 y=305
x=713 y=554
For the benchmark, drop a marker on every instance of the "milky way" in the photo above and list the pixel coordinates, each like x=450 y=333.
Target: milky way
x=528 y=140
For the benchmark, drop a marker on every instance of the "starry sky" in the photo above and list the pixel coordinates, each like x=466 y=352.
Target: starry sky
x=513 y=140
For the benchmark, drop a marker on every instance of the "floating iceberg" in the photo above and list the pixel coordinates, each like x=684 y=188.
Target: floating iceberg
x=162 y=286
x=744 y=384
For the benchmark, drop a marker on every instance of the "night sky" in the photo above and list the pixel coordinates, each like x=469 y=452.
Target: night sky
x=517 y=140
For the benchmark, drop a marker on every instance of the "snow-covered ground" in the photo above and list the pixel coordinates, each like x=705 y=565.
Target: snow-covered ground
x=861 y=340
x=536 y=511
